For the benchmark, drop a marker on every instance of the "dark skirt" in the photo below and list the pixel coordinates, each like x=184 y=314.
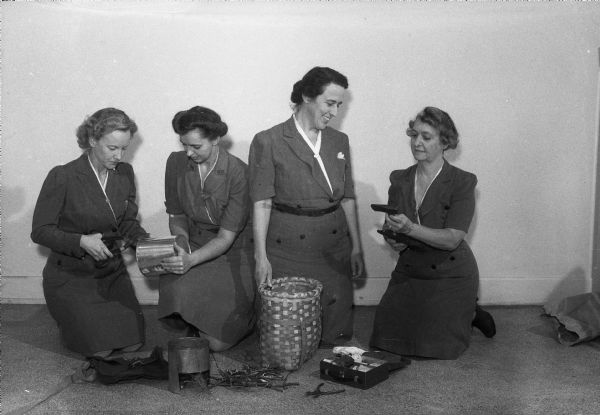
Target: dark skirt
x=427 y=310
x=216 y=297
x=96 y=308
x=316 y=247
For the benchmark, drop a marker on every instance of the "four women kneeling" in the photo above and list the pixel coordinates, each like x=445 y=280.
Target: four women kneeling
x=300 y=181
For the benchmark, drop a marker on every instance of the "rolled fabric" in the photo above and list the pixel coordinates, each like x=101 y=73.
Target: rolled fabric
x=579 y=317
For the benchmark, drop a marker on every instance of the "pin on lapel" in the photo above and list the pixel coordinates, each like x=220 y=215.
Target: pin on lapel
x=341 y=156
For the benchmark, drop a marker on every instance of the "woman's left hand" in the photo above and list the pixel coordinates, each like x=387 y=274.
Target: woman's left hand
x=179 y=264
x=399 y=223
x=358 y=266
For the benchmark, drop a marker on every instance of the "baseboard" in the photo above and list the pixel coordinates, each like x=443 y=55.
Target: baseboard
x=21 y=290
x=368 y=292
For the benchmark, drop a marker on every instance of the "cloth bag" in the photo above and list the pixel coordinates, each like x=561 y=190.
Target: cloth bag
x=578 y=317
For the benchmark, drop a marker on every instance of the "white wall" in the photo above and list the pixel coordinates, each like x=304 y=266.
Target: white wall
x=520 y=81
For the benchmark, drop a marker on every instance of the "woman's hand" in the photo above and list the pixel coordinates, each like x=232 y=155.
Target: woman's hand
x=93 y=245
x=395 y=245
x=399 y=223
x=263 y=272
x=179 y=264
x=357 y=264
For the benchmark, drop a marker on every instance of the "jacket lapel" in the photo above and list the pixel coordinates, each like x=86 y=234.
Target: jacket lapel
x=299 y=147
x=406 y=202
x=435 y=191
x=193 y=187
x=335 y=168
x=89 y=183
x=117 y=191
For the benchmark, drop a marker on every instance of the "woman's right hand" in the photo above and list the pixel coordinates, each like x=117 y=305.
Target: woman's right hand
x=93 y=245
x=263 y=272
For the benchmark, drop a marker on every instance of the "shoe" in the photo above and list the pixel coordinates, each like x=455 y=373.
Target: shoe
x=484 y=322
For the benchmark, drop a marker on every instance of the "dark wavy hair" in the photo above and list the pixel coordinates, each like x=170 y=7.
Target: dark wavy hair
x=103 y=122
x=206 y=120
x=314 y=83
x=442 y=122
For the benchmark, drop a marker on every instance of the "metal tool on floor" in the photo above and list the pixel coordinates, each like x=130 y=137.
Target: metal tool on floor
x=318 y=392
x=189 y=364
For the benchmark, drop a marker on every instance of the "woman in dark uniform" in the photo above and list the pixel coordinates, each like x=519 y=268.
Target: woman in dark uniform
x=304 y=210
x=86 y=214
x=211 y=291
x=430 y=303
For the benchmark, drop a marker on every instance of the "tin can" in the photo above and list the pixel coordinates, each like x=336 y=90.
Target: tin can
x=150 y=253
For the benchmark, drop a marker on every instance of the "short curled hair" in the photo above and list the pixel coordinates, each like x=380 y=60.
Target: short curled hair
x=442 y=122
x=206 y=120
x=103 y=122
x=314 y=83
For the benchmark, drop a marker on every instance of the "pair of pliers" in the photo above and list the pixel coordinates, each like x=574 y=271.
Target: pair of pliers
x=318 y=392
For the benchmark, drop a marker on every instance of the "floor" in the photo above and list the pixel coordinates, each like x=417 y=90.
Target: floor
x=523 y=370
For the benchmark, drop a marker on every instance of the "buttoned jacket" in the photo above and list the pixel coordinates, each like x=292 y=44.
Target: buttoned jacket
x=283 y=167
x=221 y=201
x=71 y=203
x=448 y=203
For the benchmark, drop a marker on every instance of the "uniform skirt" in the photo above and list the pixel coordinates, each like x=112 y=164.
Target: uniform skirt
x=316 y=247
x=218 y=296
x=96 y=308
x=427 y=309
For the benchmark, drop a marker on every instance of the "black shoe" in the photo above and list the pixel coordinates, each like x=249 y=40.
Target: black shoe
x=484 y=322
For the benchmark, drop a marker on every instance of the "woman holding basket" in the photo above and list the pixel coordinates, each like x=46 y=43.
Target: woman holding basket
x=304 y=209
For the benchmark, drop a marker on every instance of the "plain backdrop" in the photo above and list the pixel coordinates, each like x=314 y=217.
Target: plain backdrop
x=519 y=79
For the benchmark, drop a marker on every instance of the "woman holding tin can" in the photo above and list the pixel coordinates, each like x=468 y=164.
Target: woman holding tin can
x=209 y=292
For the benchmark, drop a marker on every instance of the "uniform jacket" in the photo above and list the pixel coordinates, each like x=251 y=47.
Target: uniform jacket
x=449 y=203
x=284 y=168
x=223 y=202
x=71 y=203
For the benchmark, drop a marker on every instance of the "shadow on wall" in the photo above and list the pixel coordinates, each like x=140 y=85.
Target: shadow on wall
x=573 y=283
x=338 y=120
x=17 y=225
x=366 y=194
x=226 y=143
x=134 y=145
x=473 y=227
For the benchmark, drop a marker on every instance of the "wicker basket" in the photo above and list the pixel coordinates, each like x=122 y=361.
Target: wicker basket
x=290 y=322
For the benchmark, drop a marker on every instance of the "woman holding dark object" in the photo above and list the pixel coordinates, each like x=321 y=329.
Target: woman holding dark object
x=430 y=303
x=210 y=291
x=86 y=214
x=304 y=210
